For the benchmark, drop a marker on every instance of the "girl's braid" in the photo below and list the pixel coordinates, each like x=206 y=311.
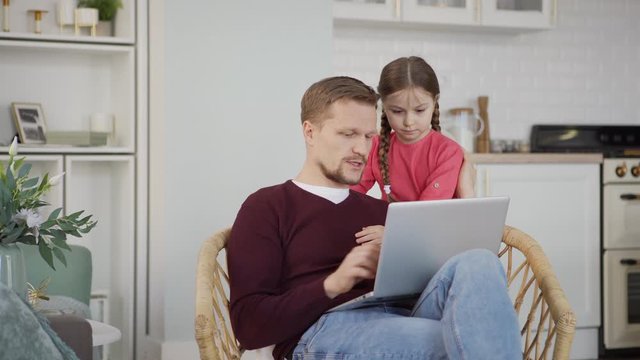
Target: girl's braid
x=383 y=151
x=435 y=118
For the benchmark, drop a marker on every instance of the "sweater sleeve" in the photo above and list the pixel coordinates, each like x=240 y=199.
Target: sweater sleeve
x=261 y=313
x=443 y=178
x=368 y=177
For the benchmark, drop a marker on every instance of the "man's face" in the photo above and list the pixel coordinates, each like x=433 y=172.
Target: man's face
x=340 y=144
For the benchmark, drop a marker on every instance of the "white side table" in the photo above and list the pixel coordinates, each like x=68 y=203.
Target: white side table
x=104 y=334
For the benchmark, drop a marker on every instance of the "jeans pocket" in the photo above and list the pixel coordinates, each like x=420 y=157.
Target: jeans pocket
x=314 y=330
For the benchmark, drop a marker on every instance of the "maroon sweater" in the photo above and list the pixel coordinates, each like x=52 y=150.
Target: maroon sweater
x=284 y=243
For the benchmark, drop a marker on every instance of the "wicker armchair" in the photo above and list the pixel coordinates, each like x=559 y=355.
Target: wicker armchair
x=546 y=304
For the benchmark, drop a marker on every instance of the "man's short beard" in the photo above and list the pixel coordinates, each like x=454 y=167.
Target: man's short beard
x=338 y=176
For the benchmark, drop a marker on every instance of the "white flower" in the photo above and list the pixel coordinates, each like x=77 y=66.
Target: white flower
x=29 y=216
x=56 y=179
x=13 y=149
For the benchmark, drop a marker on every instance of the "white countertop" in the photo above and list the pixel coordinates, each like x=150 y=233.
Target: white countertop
x=535 y=158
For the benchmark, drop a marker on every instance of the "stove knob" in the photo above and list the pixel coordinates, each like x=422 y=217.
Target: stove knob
x=621 y=170
x=635 y=171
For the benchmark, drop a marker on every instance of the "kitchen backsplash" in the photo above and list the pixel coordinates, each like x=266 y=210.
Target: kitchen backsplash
x=585 y=70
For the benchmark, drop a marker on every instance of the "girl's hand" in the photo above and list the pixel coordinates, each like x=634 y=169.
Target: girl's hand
x=466 y=179
x=370 y=234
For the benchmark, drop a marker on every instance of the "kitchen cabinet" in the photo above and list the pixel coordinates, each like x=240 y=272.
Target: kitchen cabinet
x=559 y=206
x=475 y=14
x=74 y=76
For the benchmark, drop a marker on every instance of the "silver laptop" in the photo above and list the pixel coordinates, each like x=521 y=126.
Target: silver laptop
x=420 y=236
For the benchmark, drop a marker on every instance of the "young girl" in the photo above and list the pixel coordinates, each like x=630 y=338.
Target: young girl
x=414 y=161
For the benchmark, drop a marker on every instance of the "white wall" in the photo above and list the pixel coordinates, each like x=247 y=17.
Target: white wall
x=583 y=71
x=225 y=105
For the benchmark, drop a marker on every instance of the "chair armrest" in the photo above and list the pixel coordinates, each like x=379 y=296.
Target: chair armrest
x=75 y=332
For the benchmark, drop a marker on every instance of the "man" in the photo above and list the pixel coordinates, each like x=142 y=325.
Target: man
x=302 y=247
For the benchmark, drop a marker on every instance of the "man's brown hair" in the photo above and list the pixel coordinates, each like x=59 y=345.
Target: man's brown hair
x=319 y=96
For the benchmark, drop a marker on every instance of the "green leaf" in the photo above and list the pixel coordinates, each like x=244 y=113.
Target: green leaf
x=18 y=163
x=58 y=253
x=24 y=171
x=74 y=233
x=45 y=252
x=28 y=239
x=54 y=214
x=75 y=215
x=58 y=234
x=15 y=233
x=44 y=182
x=61 y=243
x=84 y=220
x=30 y=183
x=66 y=227
x=89 y=227
x=11 y=181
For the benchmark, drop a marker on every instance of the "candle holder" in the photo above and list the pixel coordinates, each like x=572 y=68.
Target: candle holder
x=65 y=11
x=86 y=17
x=37 y=17
x=5 y=15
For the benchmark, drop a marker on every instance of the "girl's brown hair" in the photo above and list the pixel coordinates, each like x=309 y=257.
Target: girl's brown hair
x=400 y=74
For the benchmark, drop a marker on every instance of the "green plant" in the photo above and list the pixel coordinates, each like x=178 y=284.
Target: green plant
x=20 y=219
x=106 y=8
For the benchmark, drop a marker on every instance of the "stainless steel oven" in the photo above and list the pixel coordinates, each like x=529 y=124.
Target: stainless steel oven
x=620 y=245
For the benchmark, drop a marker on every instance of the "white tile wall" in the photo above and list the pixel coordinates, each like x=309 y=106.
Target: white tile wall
x=586 y=70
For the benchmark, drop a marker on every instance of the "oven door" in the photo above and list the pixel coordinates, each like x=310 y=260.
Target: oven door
x=621 y=211
x=621 y=299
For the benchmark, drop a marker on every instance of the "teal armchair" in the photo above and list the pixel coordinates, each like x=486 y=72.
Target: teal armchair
x=72 y=281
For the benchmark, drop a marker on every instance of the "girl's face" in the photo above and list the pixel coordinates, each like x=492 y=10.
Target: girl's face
x=409 y=112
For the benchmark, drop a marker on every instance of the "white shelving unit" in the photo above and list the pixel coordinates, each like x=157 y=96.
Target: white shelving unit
x=510 y=15
x=71 y=81
x=103 y=185
x=22 y=24
x=72 y=77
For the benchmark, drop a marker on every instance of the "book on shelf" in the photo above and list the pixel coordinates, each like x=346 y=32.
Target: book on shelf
x=77 y=138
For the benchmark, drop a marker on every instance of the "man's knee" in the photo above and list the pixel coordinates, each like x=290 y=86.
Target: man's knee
x=480 y=260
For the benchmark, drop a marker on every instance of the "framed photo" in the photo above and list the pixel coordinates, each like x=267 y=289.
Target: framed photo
x=30 y=123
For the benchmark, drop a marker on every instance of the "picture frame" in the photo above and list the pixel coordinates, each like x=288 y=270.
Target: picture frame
x=30 y=122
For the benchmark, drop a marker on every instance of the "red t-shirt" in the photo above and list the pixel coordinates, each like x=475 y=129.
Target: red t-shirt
x=425 y=170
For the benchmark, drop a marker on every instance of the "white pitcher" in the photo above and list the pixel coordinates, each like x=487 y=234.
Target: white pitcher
x=463 y=126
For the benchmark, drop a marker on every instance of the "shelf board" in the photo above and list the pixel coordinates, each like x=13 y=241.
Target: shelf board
x=67 y=38
x=58 y=149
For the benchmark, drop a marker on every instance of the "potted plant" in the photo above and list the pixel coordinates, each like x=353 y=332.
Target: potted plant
x=107 y=10
x=22 y=222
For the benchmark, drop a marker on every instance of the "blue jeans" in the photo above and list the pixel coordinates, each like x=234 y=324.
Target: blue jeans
x=463 y=313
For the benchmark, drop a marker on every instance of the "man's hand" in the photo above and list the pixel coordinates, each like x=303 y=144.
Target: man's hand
x=359 y=264
x=466 y=179
x=370 y=235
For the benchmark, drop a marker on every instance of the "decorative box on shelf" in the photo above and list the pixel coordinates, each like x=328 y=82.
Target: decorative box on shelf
x=77 y=138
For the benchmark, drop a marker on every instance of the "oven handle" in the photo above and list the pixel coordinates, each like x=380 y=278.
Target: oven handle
x=630 y=196
x=629 y=262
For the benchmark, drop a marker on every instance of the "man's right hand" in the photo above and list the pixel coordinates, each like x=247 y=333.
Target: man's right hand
x=359 y=264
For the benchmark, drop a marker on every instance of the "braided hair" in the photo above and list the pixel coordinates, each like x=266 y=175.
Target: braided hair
x=400 y=74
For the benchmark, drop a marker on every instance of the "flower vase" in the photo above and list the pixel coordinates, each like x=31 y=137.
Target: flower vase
x=12 y=268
